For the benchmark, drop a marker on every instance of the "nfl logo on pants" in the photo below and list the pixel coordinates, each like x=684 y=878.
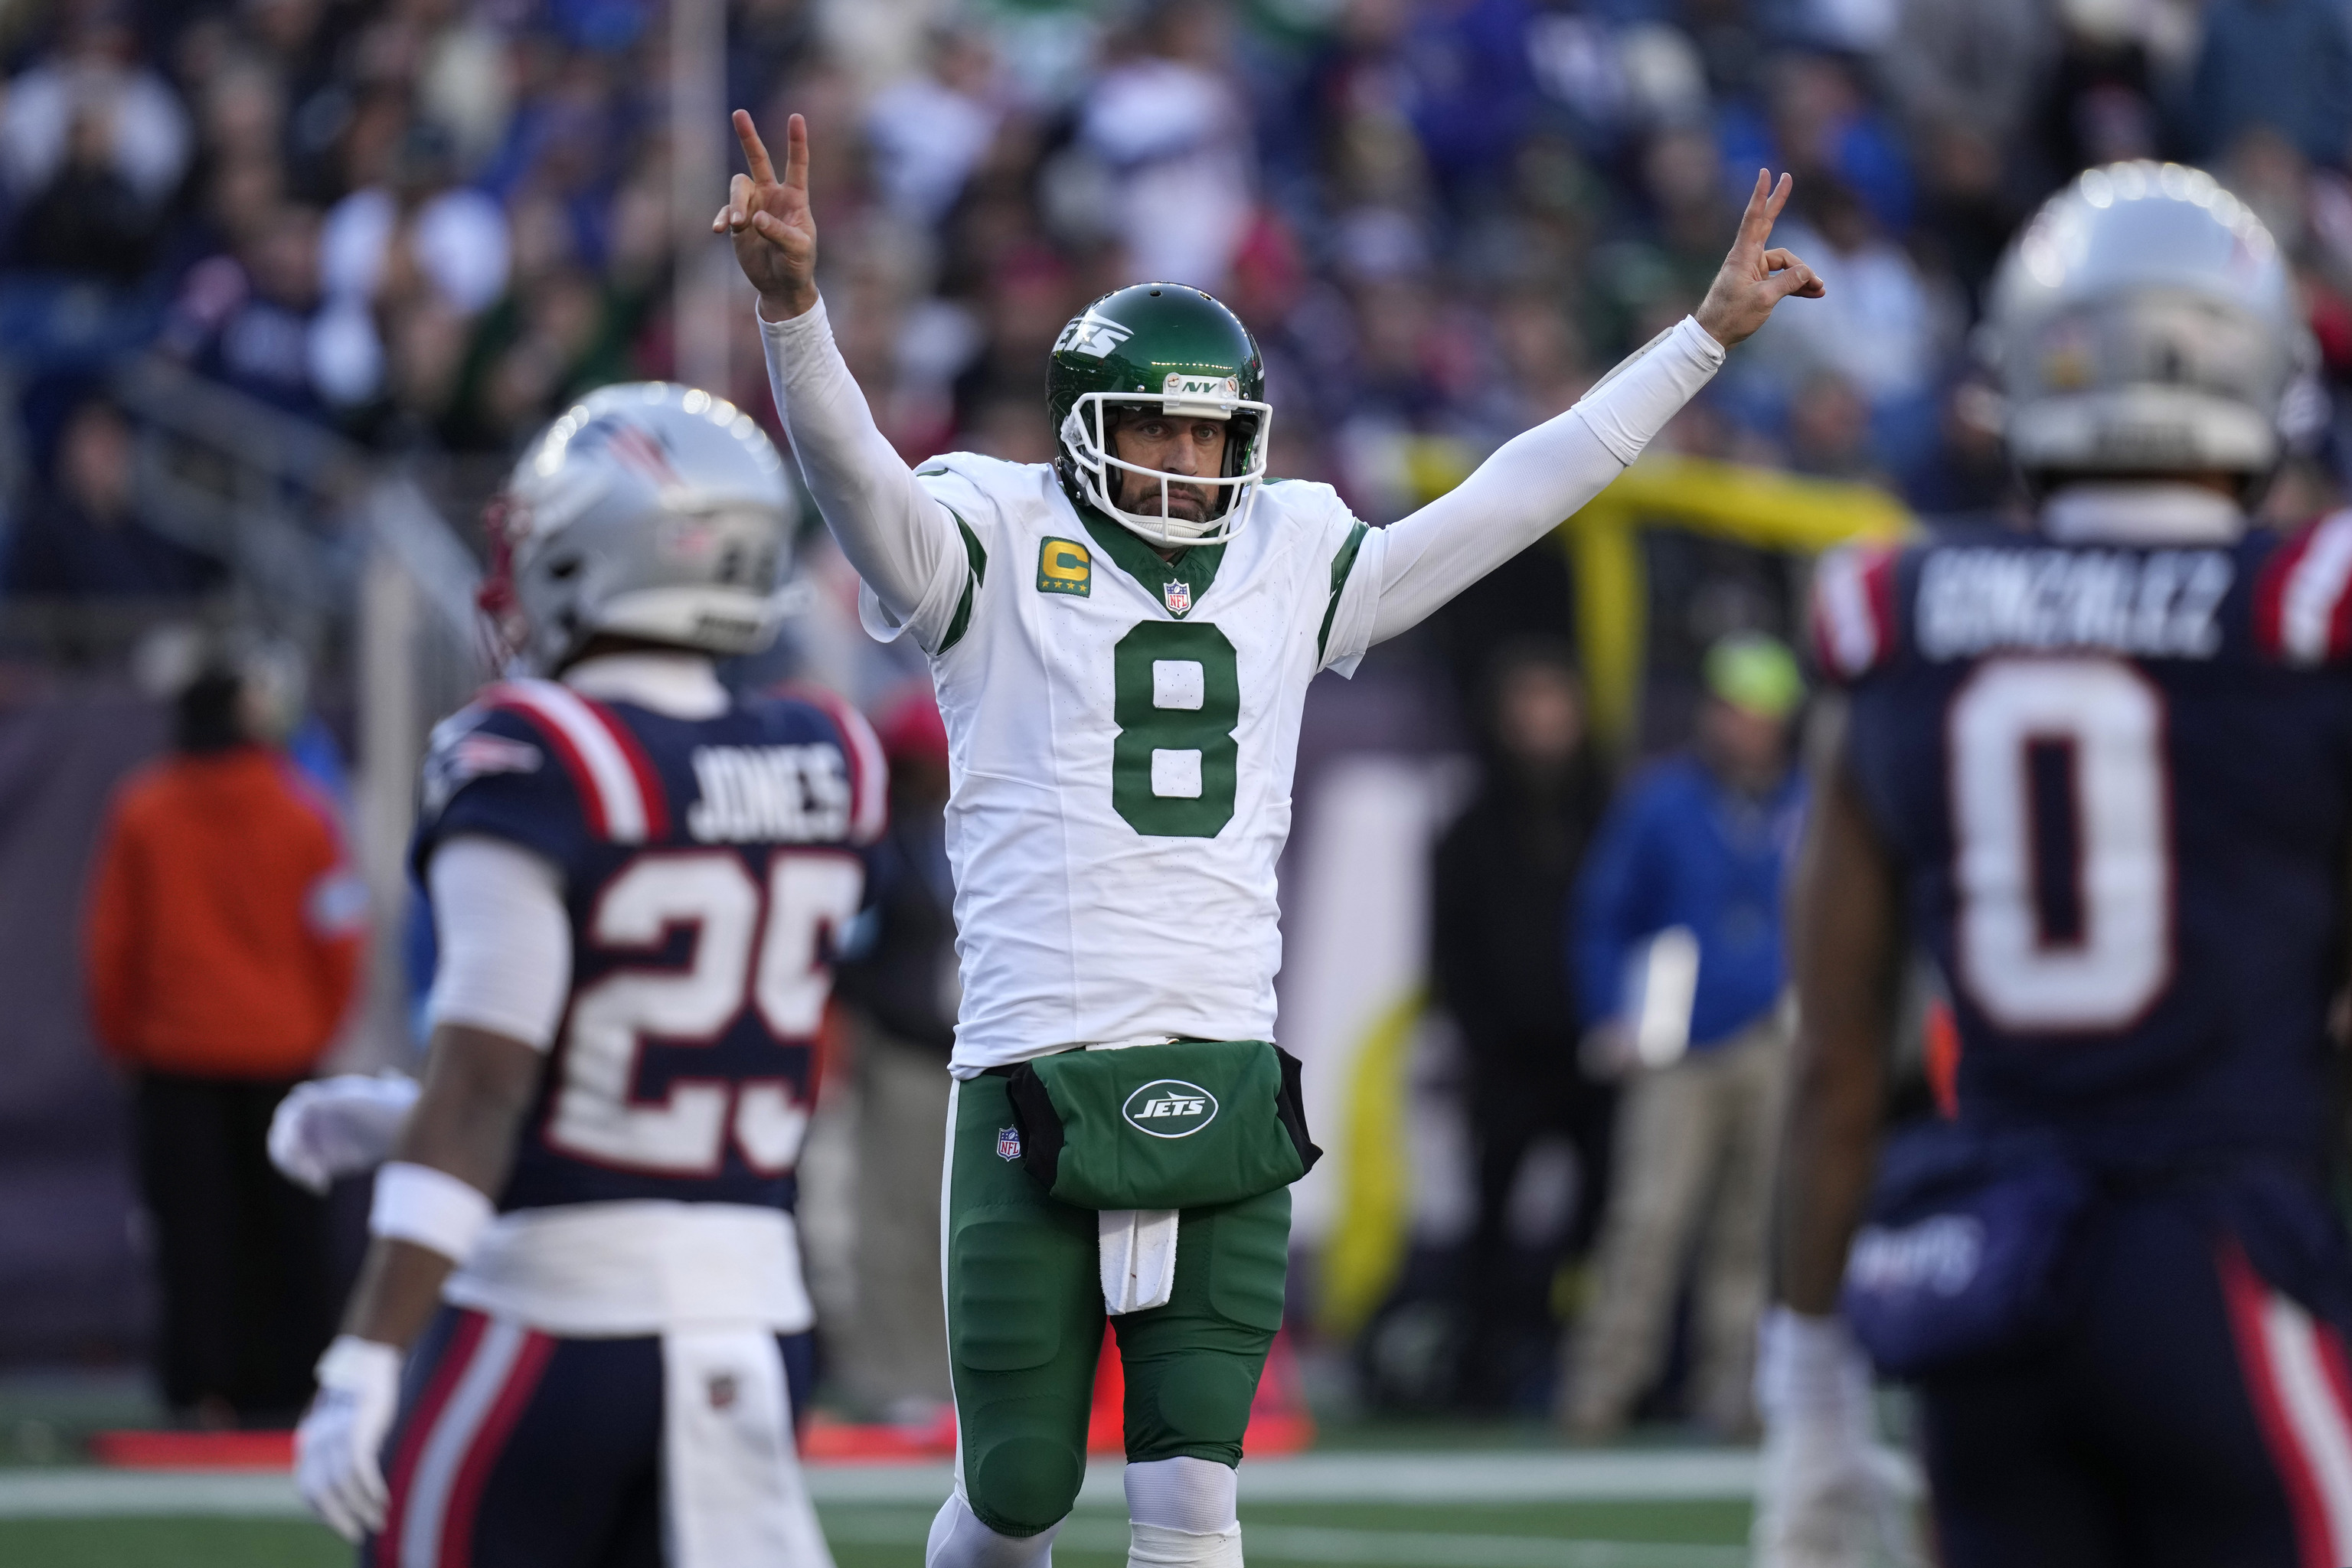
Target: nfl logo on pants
x=1008 y=1142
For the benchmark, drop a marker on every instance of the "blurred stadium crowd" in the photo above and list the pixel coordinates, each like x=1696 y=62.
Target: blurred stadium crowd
x=423 y=225
x=426 y=223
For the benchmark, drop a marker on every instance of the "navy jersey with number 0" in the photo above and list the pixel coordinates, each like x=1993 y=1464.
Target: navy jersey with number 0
x=2118 y=780
x=707 y=864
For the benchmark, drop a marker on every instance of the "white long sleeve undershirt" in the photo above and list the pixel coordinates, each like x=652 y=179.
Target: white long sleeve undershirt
x=893 y=530
x=505 y=941
x=898 y=535
x=1527 y=485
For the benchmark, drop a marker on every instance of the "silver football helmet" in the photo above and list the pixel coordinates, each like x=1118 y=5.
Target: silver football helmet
x=2144 y=323
x=648 y=509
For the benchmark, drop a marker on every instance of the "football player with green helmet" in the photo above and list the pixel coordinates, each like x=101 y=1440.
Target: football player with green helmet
x=1121 y=642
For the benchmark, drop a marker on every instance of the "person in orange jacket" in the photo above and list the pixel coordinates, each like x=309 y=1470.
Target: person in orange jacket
x=225 y=932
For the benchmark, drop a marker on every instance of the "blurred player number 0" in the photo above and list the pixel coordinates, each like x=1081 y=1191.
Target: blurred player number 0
x=2058 y=777
x=808 y=893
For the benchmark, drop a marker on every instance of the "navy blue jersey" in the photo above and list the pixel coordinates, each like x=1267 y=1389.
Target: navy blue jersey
x=707 y=863
x=2117 y=782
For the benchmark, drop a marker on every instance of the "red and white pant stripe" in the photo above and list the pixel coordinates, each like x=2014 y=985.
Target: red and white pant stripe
x=2296 y=1375
x=438 y=1478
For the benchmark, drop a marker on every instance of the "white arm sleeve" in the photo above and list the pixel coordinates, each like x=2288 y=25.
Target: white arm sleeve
x=1534 y=480
x=900 y=539
x=505 y=939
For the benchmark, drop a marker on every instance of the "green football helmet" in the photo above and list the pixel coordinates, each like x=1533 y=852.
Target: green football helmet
x=1174 y=349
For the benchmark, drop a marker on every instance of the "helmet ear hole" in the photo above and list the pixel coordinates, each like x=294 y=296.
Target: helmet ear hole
x=564 y=569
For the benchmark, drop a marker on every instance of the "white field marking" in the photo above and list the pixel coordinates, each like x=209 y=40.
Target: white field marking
x=1364 y=1478
x=1372 y=1477
x=1309 y=1543
x=116 y=1494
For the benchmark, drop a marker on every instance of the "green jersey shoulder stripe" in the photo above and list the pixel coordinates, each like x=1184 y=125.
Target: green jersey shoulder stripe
x=1341 y=564
x=979 y=560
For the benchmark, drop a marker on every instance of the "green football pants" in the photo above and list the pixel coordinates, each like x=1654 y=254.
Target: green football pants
x=1024 y=1309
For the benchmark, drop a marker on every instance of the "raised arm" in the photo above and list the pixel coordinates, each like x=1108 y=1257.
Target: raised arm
x=1548 y=473
x=897 y=536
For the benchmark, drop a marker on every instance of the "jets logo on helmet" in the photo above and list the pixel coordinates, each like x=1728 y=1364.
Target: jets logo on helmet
x=1092 y=335
x=1159 y=349
x=648 y=511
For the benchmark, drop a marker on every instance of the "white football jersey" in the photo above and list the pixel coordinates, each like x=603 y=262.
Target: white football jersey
x=1122 y=733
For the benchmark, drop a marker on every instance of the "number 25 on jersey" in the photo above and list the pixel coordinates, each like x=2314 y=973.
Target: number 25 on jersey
x=785 y=982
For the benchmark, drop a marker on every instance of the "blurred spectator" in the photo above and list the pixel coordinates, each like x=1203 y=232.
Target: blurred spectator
x=1968 y=471
x=2103 y=93
x=929 y=132
x=1175 y=137
x=93 y=112
x=224 y=936
x=1981 y=67
x=89 y=219
x=1471 y=90
x=1700 y=846
x=81 y=536
x=1499 y=946
x=1822 y=125
x=450 y=237
x=902 y=988
x=260 y=323
x=1829 y=430
x=1877 y=328
x=2286 y=64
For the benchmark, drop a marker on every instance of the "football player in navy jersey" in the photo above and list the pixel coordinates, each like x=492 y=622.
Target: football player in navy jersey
x=2102 y=774
x=565 y=1346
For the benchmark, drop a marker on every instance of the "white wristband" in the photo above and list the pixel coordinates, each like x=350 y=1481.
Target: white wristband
x=431 y=1208
x=1807 y=1365
x=351 y=1362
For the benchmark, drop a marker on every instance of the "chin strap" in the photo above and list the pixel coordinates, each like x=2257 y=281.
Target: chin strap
x=504 y=631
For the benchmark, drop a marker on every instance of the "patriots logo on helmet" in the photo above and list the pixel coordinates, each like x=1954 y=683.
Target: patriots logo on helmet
x=1008 y=1142
x=1177 y=596
x=1092 y=335
x=632 y=444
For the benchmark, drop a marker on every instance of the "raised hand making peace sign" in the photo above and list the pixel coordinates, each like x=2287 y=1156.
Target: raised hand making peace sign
x=1752 y=280
x=769 y=221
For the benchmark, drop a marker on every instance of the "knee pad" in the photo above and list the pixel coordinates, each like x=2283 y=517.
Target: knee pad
x=1157 y=1546
x=958 y=1540
x=1183 y=1493
x=1023 y=1484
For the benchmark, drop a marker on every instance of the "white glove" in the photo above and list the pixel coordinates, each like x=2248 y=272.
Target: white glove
x=334 y=1127
x=336 y=1466
x=1829 y=1492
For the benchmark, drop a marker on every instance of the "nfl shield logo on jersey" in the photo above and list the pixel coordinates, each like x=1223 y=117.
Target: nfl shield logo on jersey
x=1008 y=1142
x=1178 y=596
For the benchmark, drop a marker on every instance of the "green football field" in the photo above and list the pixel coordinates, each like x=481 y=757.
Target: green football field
x=1690 y=1533
x=1449 y=1508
